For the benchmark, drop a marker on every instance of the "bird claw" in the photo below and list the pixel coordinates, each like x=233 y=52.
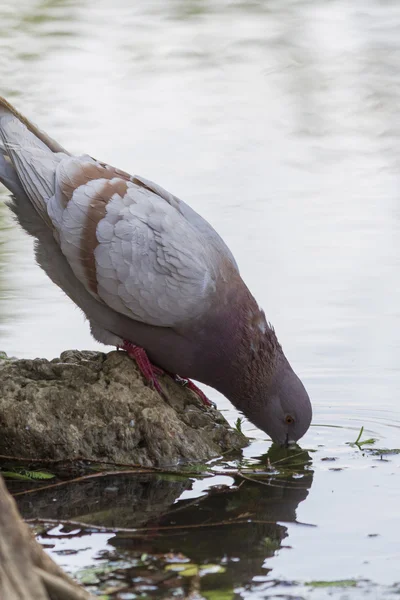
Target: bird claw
x=192 y=386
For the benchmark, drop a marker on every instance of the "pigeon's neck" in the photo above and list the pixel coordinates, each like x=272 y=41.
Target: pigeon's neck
x=241 y=350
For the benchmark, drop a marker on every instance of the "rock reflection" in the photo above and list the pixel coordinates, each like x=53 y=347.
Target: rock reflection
x=114 y=501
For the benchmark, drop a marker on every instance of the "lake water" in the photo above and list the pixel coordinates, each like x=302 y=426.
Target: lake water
x=279 y=122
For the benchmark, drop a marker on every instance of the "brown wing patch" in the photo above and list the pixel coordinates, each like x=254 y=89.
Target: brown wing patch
x=96 y=212
x=80 y=173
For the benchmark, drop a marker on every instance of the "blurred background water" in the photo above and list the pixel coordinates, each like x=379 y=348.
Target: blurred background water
x=279 y=122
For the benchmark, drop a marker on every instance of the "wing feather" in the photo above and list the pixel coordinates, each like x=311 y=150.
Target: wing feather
x=132 y=248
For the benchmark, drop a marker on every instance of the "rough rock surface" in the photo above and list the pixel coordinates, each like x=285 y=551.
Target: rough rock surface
x=97 y=406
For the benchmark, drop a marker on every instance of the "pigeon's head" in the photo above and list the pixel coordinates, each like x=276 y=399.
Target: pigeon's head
x=285 y=411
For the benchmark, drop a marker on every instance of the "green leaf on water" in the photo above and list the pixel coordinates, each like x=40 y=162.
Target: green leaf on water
x=227 y=594
x=191 y=569
x=184 y=569
x=24 y=475
x=12 y=475
x=359 y=435
x=326 y=584
x=368 y=442
x=40 y=475
x=210 y=569
x=90 y=576
x=360 y=443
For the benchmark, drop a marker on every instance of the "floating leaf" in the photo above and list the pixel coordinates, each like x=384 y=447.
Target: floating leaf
x=24 y=475
x=211 y=569
x=13 y=475
x=90 y=576
x=360 y=443
x=340 y=583
x=368 y=442
x=39 y=474
x=218 y=594
x=184 y=569
x=191 y=569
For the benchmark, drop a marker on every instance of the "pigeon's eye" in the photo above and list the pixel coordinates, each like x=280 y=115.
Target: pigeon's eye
x=289 y=420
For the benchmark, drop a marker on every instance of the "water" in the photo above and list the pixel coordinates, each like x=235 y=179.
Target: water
x=278 y=122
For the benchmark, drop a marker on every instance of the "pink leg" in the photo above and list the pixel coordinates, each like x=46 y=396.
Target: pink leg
x=150 y=372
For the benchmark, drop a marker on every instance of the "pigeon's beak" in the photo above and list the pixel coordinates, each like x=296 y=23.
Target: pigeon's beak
x=288 y=443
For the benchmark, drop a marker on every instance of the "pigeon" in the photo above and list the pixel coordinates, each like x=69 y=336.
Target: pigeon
x=151 y=276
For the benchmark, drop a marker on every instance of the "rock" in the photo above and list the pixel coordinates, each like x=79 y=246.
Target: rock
x=96 y=406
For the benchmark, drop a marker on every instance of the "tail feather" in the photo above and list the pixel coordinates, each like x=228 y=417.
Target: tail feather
x=29 y=159
x=8 y=175
x=7 y=109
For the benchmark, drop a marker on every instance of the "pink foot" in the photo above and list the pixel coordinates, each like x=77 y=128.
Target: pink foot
x=192 y=386
x=149 y=371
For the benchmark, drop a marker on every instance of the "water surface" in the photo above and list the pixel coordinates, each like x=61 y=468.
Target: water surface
x=278 y=122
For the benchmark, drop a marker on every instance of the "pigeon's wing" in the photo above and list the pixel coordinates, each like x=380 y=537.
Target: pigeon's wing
x=130 y=243
x=132 y=248
x=191 y=216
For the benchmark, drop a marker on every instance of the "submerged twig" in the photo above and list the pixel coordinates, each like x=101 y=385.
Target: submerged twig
x=270 y=484
x=102 y=529
x=136 y=469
